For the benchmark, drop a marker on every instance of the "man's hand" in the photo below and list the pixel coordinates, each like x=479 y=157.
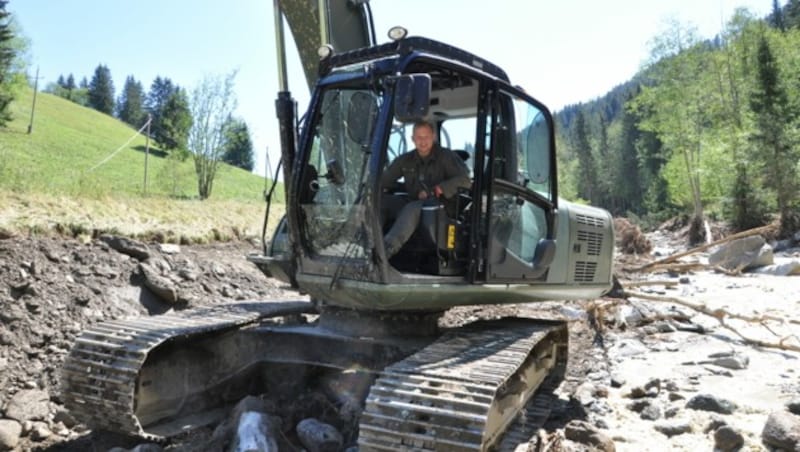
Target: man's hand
x=437 y=190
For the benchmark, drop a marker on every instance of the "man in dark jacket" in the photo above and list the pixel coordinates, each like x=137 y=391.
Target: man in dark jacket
x=429 y=171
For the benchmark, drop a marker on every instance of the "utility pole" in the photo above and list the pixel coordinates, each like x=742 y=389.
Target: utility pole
x=146 y=149
x=33 y=108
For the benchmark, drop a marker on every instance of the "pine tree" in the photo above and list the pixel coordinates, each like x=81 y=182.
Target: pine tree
x=61 y=82
x=629 y=187
x=777 y=154
x=7 y=55
x=238 y=146
x=84 y=83
x=587 y=177
x=161 y=90
x=791 y=14
x=175 y=121
x=776 y=17
x=101 y=90
x=130 y=107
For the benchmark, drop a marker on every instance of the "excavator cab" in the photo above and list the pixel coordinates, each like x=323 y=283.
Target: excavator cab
x=508 y=228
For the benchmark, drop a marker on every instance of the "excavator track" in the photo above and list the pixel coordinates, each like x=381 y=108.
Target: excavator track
x=467 y=389
x=100 y=377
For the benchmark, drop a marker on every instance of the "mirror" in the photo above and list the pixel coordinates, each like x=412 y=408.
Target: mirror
x=361 y=111
x=335 y=172
x=412 y=97
x=537 y=142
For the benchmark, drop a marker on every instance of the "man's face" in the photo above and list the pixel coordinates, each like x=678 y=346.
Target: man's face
x=423 y=140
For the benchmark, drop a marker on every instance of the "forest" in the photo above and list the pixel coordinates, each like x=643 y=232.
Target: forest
x=705 y=129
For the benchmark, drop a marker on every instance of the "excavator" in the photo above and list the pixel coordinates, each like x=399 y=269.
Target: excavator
x=371 y=335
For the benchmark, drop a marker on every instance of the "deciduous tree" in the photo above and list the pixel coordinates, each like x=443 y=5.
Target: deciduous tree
x=212 y=103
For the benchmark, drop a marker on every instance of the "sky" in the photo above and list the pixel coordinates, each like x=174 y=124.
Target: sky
x=561 y=52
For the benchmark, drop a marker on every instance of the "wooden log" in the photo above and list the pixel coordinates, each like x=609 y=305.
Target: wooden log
x=674 y=257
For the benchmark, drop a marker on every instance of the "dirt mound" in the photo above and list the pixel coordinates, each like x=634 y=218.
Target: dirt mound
x=630 y=239
x=51 y=289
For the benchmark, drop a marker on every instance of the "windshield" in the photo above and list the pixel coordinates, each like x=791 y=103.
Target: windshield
x=331 y=188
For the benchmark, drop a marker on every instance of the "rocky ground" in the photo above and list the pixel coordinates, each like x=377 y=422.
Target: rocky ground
x=644 y=374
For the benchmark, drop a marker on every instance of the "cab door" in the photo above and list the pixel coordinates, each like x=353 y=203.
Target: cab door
x=520 y=188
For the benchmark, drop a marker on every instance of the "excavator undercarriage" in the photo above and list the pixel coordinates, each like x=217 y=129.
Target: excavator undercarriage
x=465 y=388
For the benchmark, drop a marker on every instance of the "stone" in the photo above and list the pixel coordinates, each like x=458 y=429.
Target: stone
x=673 y=428
x=785 y=269
x=40 y=432
x=317 y=436
x=782 y=430
x=793 y=406
x=715 y=421
x=729 y=360
x=169 y=248
x=64 y=416
x=707 y=402
x=127 y=246
x=585 y=433
x=161 y=287
x=30 y=404
x=651 y=412
x=726 y=439
x=10 y=432
x=255 y=429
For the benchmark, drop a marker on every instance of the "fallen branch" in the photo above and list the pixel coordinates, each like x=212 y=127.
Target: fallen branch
x=721 y=315
x=673 y=267
x=666 y=283
x=674 y=257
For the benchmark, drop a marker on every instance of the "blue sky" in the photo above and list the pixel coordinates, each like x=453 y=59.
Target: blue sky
x=561 y=52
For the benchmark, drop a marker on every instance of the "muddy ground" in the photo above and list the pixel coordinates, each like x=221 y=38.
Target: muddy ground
x=635 y=370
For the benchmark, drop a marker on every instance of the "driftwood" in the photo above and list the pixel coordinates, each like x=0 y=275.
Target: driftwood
x=721 y=315
x=674 y=257
x=666 y=283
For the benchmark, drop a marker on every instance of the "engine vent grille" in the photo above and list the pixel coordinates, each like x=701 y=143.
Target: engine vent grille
x=584 y=271
x=589 y=220
x=593 y=240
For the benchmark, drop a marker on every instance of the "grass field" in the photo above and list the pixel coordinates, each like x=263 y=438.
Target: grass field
x=75 y=174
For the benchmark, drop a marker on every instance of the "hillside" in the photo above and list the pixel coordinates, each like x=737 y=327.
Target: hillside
x=76 y=174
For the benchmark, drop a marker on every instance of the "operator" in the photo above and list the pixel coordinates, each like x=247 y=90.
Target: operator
x=430 y=172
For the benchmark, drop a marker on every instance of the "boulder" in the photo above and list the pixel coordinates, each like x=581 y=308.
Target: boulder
x=726 y=439
x=742 y=254
x=707 y=402
x=787 y=269
x=31 y=404
x=782 y=430
x=255 y=429
x=673 y=428
x=127 y=246
x=317 y=436
x=10 y=432
x=585 y=433
x=161 y=287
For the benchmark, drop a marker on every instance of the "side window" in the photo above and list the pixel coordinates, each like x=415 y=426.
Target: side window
x=532 y=136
